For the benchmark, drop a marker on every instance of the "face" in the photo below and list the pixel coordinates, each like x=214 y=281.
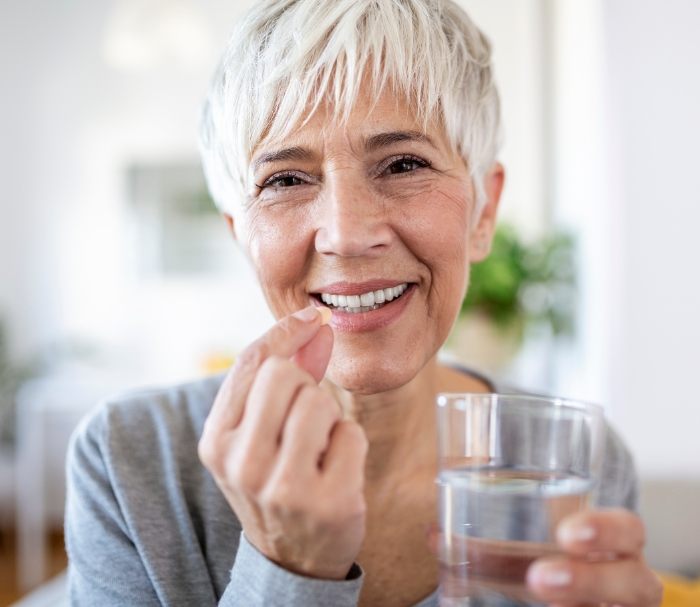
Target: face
x=375 y=206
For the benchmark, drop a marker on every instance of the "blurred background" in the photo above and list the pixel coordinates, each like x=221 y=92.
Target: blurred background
x=116 y=271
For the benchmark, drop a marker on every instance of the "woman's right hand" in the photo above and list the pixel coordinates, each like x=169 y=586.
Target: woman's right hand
x=288 y=464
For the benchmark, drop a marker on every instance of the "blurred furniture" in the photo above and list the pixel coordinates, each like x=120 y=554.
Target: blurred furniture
x=680 y=592
x=670 y=509
x=7 y=483
x=48 y=410
x=51 y=594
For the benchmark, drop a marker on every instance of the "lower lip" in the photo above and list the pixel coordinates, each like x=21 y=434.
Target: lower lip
x=355 y=322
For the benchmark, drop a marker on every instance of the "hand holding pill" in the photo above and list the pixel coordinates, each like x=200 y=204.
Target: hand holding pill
x=289 y=466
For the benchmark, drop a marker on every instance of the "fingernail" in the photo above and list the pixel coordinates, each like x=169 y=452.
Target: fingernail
x=326 y=315
x=550 y=575
x=576 y=533
x=307 y=314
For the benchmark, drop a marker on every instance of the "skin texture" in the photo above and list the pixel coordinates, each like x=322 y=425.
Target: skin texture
x=319 y=437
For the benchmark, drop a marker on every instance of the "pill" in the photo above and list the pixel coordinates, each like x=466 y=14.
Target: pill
x=326 y=315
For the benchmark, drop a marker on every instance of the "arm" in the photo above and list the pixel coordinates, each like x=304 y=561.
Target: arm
x=257 y=581
x=104 y=565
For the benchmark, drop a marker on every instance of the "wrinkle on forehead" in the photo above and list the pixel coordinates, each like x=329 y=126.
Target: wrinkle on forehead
x=386 y=115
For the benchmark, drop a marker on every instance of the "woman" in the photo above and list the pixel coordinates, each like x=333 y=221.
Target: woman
x=351 y=147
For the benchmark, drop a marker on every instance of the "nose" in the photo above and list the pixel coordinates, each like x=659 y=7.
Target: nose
x=353 y=219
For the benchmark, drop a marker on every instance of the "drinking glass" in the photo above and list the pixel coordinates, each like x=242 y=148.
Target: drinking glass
x=511 y=467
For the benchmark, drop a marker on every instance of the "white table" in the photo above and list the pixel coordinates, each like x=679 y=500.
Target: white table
x=48 y=410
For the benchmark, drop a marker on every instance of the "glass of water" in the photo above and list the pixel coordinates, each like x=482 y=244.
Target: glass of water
x=511 y=468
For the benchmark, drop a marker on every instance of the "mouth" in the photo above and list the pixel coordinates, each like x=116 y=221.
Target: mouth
x=341 y=298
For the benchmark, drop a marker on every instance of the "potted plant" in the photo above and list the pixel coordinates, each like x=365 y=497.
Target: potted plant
x=520 y=288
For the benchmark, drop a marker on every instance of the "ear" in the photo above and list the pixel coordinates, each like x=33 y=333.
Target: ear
x=231 y=225
x=482 y=233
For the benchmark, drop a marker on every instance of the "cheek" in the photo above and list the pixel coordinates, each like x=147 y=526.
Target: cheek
x=277 y=247
x=439 y=237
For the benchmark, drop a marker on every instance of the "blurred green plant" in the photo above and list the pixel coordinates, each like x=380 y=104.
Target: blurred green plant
x=12 y=376
x=522 y=284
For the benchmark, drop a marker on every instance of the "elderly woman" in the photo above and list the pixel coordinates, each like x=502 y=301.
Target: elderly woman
x=351 y=146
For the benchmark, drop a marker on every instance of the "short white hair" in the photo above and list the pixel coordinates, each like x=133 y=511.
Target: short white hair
x=287 y=57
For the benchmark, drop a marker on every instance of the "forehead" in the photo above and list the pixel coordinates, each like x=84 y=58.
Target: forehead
x=363 y=125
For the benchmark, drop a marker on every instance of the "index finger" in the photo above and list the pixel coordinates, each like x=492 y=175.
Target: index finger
x=615 y=531
x=283 y=339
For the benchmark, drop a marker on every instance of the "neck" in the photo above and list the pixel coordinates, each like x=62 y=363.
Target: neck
x=400 y=424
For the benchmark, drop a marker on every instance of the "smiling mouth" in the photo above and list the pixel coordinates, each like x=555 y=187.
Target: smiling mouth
x=362 y=302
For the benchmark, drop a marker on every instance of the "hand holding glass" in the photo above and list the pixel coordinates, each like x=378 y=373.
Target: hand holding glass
x=511 y=468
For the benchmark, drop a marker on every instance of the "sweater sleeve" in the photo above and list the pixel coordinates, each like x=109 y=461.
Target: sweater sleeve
x=256 y=582
x=104 y=564
x=619 y=485
x=108 y=563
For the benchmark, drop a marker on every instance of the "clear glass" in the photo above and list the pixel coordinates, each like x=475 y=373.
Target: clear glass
x=511 y=468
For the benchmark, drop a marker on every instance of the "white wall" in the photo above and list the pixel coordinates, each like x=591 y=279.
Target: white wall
x=653 y=81
x=518 y=38
x=625 y=93
x=579 y=177
x=74 y=122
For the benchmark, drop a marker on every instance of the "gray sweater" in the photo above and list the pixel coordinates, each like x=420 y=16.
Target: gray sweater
x=147 y=525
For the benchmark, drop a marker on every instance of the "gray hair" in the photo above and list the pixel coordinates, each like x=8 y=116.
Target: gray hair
x=288 y=56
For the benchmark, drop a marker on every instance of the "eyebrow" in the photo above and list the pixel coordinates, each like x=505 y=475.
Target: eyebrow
x=386 y=139
x=293 y=153
x=371 y=144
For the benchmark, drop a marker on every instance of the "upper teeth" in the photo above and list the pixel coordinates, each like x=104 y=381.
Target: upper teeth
x=364 y=299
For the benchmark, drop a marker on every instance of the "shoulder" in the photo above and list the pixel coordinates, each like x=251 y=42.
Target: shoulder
x=140 y=449
x=137 y=491
x=619 y=484
x=137 y=411
x=138 y=426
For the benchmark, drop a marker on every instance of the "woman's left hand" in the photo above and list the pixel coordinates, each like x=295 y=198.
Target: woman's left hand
x=602 y=563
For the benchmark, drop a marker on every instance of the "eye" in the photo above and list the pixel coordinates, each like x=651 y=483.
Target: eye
x=404 y=164
x=282 y=180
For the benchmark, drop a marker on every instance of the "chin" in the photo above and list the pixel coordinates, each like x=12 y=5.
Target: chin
x=372 y=374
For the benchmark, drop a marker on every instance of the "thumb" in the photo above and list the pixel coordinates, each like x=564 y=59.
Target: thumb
x=314 y=356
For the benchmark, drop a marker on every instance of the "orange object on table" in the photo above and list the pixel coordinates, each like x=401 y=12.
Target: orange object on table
x=216 y=363
x=680 y=592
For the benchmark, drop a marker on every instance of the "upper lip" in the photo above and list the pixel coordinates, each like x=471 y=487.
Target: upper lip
x=357 y=288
